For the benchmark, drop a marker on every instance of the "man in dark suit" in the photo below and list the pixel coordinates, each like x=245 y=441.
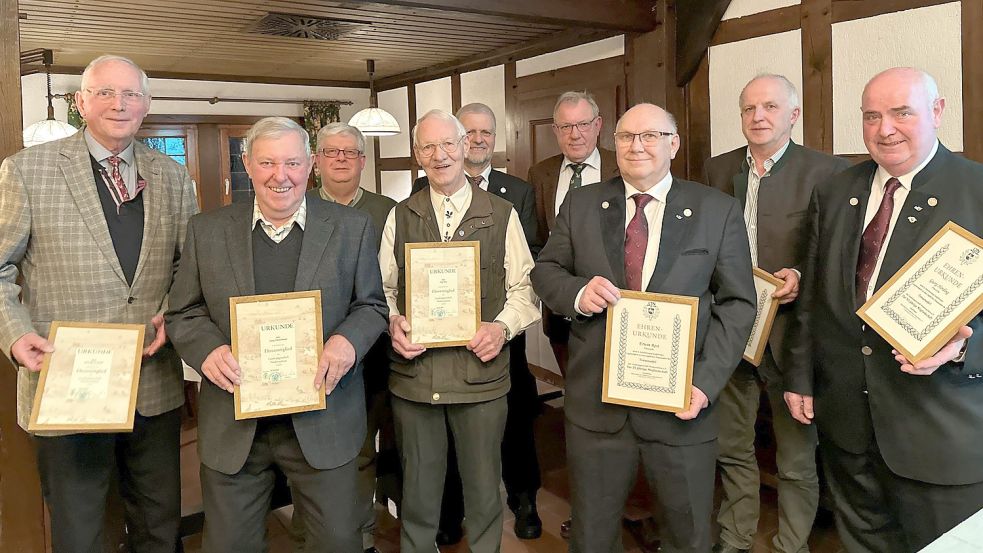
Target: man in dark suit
x=773 y=178
x=282 y=242
x=520 y=467
x=900 y=441
x=694 y=244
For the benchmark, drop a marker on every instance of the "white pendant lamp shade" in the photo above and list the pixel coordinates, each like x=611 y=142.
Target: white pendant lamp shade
x=46 y=131
x=375 y=122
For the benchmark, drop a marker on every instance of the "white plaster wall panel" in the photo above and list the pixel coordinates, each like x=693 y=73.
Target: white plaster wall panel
x=732 y=65
x=395 y=102
x=927 y=38
x=740 y=8
x=488 y=87
x=435 y=94
x=583 y=53
x=396 y=184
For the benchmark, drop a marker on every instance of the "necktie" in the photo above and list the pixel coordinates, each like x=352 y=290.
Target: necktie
x=636 y=240
x=117 y=178
x=575 y=180
x=873 y=240
x=475 y=180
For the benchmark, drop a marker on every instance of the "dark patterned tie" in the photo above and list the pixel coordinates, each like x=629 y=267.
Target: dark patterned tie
x=475 y=180
x=873 y=240
x=636 y=240
x=117 y=178
x=575 y=180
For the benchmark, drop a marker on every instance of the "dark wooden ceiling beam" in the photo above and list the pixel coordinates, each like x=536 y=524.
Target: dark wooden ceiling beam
x=614 y=15
x=696 y=22
x=70 y=70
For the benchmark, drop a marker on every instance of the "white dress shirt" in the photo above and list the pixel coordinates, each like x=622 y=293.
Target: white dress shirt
x=484 y=177
x=127 y=166
x=589 y=175
x=751 y=201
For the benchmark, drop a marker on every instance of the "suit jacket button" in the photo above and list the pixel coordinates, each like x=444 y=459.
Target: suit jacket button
x=436 y=397
x=130 y=299
x=866 y=350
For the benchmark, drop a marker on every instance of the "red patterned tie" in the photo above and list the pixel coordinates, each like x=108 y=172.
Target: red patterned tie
x=636 y=240
x=873 y=240
x=118 y=178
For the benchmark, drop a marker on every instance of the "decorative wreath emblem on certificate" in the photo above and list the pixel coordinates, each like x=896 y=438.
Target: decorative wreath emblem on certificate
x=970 y=256
x=677 y=328
x=762 y=300
x=651 y=310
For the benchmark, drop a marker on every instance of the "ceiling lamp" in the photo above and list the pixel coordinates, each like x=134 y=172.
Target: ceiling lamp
x=373 y=120
x=48 y=129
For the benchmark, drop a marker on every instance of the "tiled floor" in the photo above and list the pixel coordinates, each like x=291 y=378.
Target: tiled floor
x=552 y=500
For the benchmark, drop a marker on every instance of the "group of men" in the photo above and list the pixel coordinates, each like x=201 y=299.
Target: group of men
x=98 y=227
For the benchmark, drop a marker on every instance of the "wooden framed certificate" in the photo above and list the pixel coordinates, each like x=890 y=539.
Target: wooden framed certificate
x=765 y=285
x=937 y=291
x=89 y=383
x=648 y=351
x=276 y=338
x=443 y=292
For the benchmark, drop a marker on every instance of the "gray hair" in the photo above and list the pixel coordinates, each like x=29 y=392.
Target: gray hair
x=480 y=109
x=332 y=129
x=443 y=116
x=575 y=96
x=790 y=91
x=928 y=81
x=87 y=73
x=274 y=127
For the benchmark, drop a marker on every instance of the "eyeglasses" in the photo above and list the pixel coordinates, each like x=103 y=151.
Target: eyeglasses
x=449 y=146
x=335 y=152
x=583 y=126
x=108 y=95
x=484 y=134
x=647 y=137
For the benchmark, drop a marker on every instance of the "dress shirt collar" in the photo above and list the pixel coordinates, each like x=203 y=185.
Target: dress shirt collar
x=299 y=217
x=485 y=173
x=881 y=176
x=460 y=199
x=100 y=152
x=660 y=191
x=594 y=160
x=770 y=162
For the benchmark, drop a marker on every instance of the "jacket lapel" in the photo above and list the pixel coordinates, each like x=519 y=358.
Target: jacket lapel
x=316 y=236
x=149 y=170
x=239 y=244
x=854 y=229
x=675 y=225
x=613 y=228
x=419 y=203
x=549 y=190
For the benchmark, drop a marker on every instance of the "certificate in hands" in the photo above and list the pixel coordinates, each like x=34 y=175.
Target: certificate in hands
x=443 y=292
x=765 y=284
x=276 y=338
x=648 y=351
x=89 y=383
x=937 y=291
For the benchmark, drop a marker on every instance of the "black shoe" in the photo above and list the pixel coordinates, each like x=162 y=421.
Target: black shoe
x=645 y=532
x=449 y=537
x=565 y=528
x=724 y=547
x=528 y=526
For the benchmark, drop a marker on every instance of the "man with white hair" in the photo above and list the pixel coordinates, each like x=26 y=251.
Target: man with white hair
x=773 y=178
x=900 y=441
x=462 y=387
x=282 y=242
x=93 y=225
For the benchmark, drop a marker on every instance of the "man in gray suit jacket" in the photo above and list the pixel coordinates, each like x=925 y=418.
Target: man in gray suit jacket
x=94 y=225
x=695 y=244
x=900 y=442
x=283 y=242
x=773 y=178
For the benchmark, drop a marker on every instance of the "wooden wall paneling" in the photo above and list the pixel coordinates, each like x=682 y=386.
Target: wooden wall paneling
x=511 y=118
x=817 y=74
x=848 y=10
x=760 y=24
x=972 y=16
x=455 y=92
x=376 y=156
x=411 y=100
x=698 y=121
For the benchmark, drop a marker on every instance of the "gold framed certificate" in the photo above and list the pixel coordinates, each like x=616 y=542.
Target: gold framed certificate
x=765 y=284
x=648 y=351
x=937 y=291
x=276 y=338
x=89 y=382
x=443 y=292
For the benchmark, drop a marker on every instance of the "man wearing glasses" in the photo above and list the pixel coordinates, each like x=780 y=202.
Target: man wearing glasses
x=462 y=387
x=647 y=231
x=94 y=225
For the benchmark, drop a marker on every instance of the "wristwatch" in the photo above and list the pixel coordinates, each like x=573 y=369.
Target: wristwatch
x=505 y=328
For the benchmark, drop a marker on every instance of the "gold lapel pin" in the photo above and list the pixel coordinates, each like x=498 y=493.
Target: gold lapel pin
x=688 y=212
x=932 y=202
x=605 y=205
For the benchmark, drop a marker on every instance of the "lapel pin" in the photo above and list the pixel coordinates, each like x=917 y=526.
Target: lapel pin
x=678 y=216
x=911 y=219
x=932 y=202
x=605 y=205
x=687 y=212
x=918 y=208
x=460 y=233
x=503 y=190
x=854 y=201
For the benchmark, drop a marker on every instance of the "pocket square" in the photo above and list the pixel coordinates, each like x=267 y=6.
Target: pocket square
x=697 y=251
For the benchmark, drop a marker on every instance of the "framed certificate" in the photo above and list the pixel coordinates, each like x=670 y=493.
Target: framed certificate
x=648 y=351
x=937 y=291
x=89 y=383
x=276 y=338
x=767 y=307
x=443 y=292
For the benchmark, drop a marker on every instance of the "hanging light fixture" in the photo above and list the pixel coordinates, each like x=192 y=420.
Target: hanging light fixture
x=373 y=120
x=48 y=129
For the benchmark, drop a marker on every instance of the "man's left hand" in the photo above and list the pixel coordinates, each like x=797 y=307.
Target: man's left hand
x=487 y=342
x=337 y=358
x=697 y=402
x=159 y=340
x=790 y=290
x=943 y=356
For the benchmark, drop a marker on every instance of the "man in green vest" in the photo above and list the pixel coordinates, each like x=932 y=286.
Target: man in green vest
x=461 y=387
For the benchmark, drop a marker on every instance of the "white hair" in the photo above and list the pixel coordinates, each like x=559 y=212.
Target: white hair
x=443 y=116
x=274 y=127
x=87 y=73
x=575 y=96
x=478 y=108
x=332 y=129
x=790 y=91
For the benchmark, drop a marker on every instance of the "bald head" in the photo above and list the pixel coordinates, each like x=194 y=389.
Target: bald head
x=647 y=142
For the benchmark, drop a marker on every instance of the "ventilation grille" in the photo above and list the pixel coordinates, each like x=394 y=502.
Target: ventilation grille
x=305 y=26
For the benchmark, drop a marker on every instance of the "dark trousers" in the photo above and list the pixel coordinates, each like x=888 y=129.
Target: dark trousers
x=520 y=466
x=236 y=505
x=878 y=511
x=603 y=468
x=76 y=471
